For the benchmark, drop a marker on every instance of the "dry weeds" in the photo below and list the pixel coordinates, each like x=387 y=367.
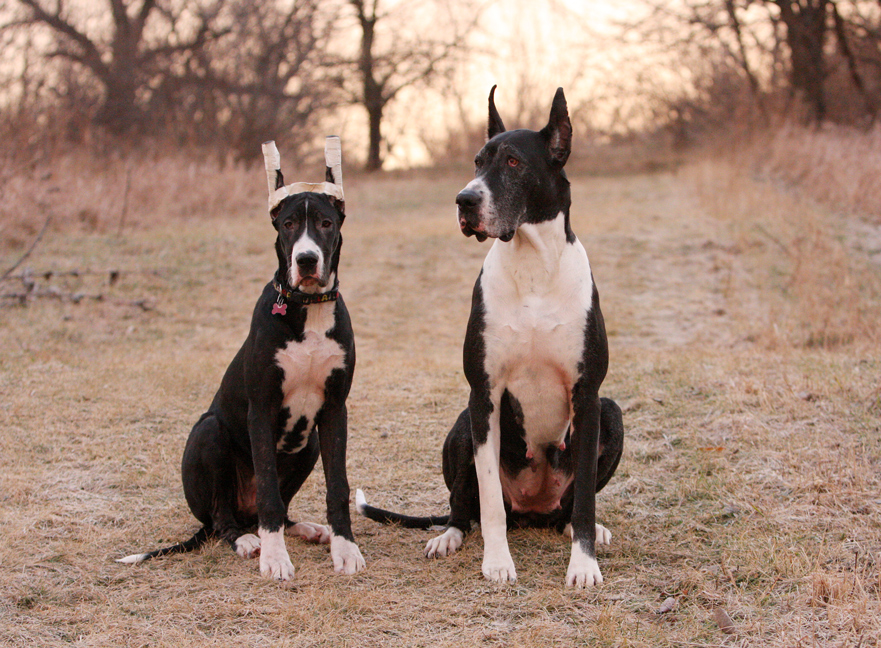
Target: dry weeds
x=750 y=481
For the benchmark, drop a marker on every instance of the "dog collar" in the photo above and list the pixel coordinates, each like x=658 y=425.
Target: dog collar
x=299 y=297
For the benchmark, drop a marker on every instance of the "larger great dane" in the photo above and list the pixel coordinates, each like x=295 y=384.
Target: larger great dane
x=536 y=442
x=282 y=401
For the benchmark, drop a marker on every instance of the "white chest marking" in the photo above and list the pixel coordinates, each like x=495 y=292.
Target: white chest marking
x=537 y=291
x=306 y=366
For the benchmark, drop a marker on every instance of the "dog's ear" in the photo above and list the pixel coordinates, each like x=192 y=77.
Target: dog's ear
x=559 y=130
x=495 y=125
x=333 y=171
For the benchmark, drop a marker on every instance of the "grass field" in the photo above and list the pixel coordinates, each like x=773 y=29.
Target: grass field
x=744 y=349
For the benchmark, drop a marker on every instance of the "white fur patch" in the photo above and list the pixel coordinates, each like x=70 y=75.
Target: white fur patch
x=274 y=560
x=133 y=559
x=445 y=544
x=537 y=291
x=310 y=532
x=584 y=571
x=360 y=501
x=306 y=366
x=346 y=556
x=248 y=546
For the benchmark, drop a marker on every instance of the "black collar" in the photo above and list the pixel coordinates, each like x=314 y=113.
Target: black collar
x=299 y=297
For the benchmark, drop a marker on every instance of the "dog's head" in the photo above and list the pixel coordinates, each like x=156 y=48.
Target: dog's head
x=518 y=176
x=309 y=240
x=308 y=218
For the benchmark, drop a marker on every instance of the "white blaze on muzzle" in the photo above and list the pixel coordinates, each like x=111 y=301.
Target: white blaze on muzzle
x=333 y=160
x=305 y=245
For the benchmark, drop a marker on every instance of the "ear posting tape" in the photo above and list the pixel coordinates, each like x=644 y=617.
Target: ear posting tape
x=279 y=191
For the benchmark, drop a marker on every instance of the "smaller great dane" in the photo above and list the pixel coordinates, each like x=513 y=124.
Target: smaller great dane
x=282 y=401
x=536 y=442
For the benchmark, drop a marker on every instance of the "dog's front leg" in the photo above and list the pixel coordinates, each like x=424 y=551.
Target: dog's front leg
x=274 y=560
x=332 y=430
x=498 y=565
x=584 y=571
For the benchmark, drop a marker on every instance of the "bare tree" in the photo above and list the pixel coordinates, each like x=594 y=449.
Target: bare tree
x=123 y=60
x=267 y=80
x=402 y=47
x=818 y=37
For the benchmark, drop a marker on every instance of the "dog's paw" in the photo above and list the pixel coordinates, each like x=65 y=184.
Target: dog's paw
x=274 y=560
x=310 y=532
x=346 y=556
x=604 y=536
x=584 y=571
x=445 y=544
x=499 y=568
x=247 y=546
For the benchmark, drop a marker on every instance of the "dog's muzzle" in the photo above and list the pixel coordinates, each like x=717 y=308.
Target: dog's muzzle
x=307 y=269
x=468 y=203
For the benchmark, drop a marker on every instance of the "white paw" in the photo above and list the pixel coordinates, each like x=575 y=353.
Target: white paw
x=584 y=571
x=310 y=532
x=274 y=560
x=346 y=556
x=499 y=568
x=248 y=546
x=444 y=544
x=604 y=536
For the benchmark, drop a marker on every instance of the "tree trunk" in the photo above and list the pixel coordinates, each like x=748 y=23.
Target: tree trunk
x=374 y=104
x=372 y=89
x=806 y=28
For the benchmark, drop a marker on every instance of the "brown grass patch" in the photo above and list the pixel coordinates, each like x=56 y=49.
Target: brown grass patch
x=750 y=478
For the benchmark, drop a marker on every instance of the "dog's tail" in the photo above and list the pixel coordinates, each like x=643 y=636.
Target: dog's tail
x=387 y=517
x=201 y=537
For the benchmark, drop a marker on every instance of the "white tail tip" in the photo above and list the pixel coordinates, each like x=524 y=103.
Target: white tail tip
x=133 y=559
x=360 y=501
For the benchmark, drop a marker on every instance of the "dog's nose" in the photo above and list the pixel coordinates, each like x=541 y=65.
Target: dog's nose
x=468 y=199
x=307 y=260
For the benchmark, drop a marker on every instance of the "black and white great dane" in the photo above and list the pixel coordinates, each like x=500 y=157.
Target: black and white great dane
x=536 y=442
x=282 y=401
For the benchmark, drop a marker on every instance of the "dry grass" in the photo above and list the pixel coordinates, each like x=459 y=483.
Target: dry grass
x=836 y=166
x=750 y=480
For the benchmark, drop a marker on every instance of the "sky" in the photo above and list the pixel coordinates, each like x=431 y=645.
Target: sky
x=528 y=48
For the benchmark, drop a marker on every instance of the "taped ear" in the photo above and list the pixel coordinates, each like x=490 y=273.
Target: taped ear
x=494 y=125
x=332 y=188
x=333 y=170
x=559 y=129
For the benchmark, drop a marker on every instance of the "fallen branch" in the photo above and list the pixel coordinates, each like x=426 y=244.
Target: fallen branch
x=22 y=298
x=30 y=249
x=112 y=275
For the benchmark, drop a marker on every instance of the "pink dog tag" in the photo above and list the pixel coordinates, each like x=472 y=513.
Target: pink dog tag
x=279 y=309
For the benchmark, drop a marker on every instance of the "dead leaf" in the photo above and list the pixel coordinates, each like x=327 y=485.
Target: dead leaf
x=724 y=621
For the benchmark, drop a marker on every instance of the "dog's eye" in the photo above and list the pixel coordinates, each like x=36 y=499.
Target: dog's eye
x=477 y=162
x=326 y=223
x=289 y=224
x=512 y=161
